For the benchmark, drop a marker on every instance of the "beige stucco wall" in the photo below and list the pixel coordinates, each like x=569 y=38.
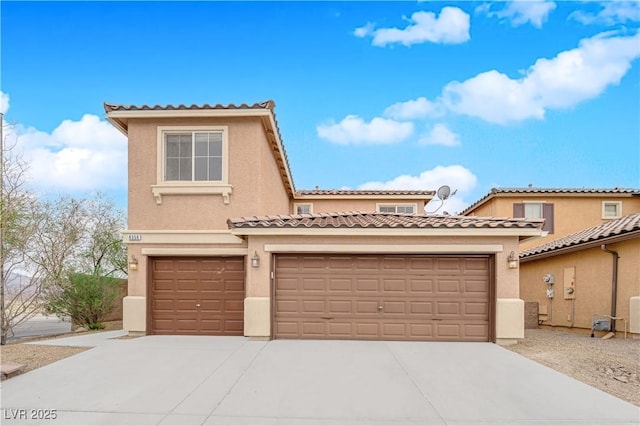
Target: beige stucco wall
x=355 y=204
x=593 y=284
x=571 y=213
x=253 y=174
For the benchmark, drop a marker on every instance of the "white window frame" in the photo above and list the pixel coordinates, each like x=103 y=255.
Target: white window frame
x=162 y=187
x=296 y=205
x=395 y=205
x=618 y=205
x=540 y=203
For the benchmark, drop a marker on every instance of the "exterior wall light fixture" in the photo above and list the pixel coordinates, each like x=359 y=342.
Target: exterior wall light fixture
x=513 y=261
x=255 y=260
x=133 y=263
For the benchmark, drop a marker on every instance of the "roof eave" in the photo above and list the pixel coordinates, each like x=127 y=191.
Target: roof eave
x=389 y=232
x=581 y=246
x=422 y=197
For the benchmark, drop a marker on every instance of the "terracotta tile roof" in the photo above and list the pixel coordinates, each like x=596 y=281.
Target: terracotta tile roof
x=613 y=228
x=108 y=107
x=380 y=220
x=542 y=191
x=333 y=192
x=273 y=135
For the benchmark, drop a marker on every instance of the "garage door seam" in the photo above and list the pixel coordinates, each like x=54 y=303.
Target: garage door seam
x=406 y=372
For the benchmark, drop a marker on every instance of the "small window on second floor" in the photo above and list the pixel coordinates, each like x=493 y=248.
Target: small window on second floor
x=534 y=210
x=611 y=209
x=303 y=208
x=397 y=208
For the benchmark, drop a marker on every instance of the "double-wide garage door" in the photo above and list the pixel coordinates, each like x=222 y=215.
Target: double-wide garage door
x=443 y=298
x=192 y=295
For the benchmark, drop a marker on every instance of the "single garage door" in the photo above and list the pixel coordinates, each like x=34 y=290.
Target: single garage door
x=443 y=298
x=197 y=296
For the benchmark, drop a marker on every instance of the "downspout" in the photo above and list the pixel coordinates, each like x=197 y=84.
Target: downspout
x=614 y=285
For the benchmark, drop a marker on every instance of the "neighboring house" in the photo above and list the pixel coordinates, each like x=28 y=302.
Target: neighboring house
x=221 y=243
x=565 y=210
x=577 y=222
x=594 y=271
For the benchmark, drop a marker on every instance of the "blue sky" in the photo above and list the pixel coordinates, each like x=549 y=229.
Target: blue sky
x=389 y=95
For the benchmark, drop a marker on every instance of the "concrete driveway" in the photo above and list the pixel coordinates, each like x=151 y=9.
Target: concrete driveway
x=226 y=380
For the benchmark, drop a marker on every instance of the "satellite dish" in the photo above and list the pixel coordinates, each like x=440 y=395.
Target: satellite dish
x=443 y=192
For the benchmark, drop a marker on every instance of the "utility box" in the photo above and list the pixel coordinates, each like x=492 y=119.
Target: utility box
x=569 y=281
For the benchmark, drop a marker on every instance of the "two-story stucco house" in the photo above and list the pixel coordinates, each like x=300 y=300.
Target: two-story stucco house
x=591 y=253
x=220 y=242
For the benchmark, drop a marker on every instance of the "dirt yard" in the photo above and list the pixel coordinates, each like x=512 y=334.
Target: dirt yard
x=609 y=365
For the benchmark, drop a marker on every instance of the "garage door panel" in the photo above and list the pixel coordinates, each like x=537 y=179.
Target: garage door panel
x=422 y=297
x=340 y=285
x=197 y=296
x=421 y=286
x=367 y=285
x=446 y=286
x=394 y=286
x=476 y=264
x=367 y=329
x=477 y=286
x=313 y=306
x=313 y=284
x=312 y=328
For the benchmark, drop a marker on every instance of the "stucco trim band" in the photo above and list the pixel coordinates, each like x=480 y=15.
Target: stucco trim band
x=194 y=251
x=384 y=248
x=180 y=237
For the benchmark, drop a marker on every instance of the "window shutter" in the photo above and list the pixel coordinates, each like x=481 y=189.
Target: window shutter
x=547 y=213
x=518 y=210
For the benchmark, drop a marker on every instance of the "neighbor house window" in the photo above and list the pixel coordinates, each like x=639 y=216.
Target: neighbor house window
x=611 y=209
x=193 y=156
x=303 y=208
x=397 y=208
x=192 y=160
x=536 y=210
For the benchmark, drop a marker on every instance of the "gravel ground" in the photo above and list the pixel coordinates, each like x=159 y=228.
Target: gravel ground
x=612 y=366
x=609 y=365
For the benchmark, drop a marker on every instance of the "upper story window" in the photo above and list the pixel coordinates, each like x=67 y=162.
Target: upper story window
x=192 y=160
x=397 y=208
x=302 y=208
x=536 y=210
x=193 y=156
x=611 y=209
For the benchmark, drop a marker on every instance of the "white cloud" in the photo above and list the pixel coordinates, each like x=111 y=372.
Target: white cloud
x=571 y=77
x=413 y=109
x=354 y=130
x=451 y=27
x=459 y=178
x=79 y=155
x=4 y=102
x=519 y=13
x=440 y=134
x=612 y=13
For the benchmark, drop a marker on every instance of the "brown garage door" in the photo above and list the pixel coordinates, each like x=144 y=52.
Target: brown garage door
x=382 y=297
x=197 y=296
